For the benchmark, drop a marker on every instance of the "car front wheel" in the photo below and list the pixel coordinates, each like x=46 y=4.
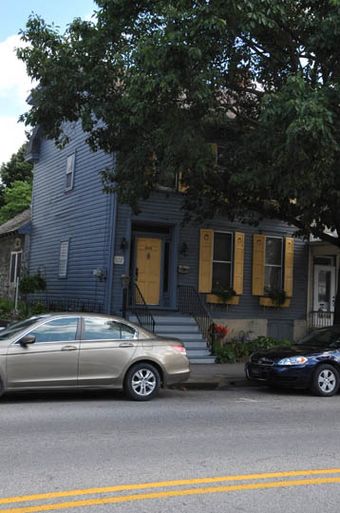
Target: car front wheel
x=142 y=382
x=326 y=381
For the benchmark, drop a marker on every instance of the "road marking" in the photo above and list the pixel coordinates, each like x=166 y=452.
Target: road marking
x=167 y=484
x=174 y=493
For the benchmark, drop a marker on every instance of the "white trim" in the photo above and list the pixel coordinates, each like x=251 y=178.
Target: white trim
x=329 y=307
x=16 y=269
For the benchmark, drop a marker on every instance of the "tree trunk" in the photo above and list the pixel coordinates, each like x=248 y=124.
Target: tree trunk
x=337 y=303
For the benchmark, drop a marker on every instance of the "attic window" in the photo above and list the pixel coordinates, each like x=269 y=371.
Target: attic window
x=69 y=172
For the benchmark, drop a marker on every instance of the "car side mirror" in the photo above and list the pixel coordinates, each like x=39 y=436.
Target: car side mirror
x=28 y=339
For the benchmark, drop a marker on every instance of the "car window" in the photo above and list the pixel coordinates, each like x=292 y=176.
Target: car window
x=63 y=329
x=326 y=338
x=16 y=327
x=101 y=328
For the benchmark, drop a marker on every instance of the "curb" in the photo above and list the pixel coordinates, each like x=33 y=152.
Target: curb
x=224 y=384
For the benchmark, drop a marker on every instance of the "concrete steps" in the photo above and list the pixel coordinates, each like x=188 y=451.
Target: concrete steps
x=186 y=329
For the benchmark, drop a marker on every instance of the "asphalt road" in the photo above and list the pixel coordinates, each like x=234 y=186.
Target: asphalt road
x=234 y=450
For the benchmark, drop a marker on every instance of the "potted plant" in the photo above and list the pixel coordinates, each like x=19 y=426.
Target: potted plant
x=224 y=294
x=278 y=296
x=219 y=334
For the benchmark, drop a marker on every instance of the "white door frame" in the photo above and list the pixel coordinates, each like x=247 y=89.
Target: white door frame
x=316 y=303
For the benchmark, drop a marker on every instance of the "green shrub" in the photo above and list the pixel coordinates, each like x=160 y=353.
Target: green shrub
x=237 y=351
x=32 y=283
x=6 y=306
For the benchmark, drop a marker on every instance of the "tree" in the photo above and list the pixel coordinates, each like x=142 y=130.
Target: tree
x=17 y=198
x=160 y=81
x=16 y=169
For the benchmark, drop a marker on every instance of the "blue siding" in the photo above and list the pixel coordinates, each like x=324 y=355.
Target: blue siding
x=83 y=216
x=166 y=208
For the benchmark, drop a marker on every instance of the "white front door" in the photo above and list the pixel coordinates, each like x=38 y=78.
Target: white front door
x=324 y=288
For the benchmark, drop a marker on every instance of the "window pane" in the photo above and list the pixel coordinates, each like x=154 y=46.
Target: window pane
x=69 y=178
x=63 y=259
x=272 y=279
x=58 y=330
x=13 y=267
x=18 y=265
x=222 y=246
x=221 y=276
x=97 y=328
x=273 y=251
x=324 y=286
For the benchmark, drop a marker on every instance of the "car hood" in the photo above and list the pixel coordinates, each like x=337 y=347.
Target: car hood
x=278 y=353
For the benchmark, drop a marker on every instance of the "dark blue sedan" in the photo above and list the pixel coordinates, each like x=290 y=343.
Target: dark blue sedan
x=313 y=363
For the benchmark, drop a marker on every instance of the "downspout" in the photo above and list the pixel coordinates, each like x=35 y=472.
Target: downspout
x=112 y=243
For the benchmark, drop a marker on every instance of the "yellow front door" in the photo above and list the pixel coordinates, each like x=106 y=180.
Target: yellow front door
x=148 y=269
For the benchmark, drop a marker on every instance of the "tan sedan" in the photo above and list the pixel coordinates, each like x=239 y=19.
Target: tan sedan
x=71 y=350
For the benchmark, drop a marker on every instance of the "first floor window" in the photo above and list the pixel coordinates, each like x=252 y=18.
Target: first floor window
x=222 y=261
x=15 y=266
x=273 y=276
x=63 y=258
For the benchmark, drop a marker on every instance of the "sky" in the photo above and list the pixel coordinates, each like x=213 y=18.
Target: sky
x=14 y=82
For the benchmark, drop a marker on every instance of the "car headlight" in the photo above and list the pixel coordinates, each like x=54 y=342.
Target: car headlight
x=293 y=360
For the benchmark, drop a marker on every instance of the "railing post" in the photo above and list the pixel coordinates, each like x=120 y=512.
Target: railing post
x=125 y=278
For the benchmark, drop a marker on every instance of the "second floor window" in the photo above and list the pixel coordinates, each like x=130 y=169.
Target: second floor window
x=273 y=276
x=69 y=172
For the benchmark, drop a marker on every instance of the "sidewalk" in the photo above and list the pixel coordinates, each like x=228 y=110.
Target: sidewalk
x=216 y=375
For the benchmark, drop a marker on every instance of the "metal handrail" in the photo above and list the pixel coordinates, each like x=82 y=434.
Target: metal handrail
x=140 y=308
x=190 y=302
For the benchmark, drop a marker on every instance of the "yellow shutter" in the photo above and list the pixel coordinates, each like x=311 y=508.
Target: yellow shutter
x=205 y=263
x=238 y=262
x=258 y=264
x=289 y=264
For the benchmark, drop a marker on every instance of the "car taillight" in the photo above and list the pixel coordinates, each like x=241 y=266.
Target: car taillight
x=179 y=348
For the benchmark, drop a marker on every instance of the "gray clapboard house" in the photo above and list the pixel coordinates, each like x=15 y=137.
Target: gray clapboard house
x=96 y=254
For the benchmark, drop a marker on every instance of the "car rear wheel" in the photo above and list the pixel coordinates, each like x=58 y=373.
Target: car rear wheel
x=326 y=380
x=142 y=382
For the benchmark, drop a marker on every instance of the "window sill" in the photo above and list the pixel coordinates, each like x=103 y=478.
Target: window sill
x=267 y=301
x=213 y=298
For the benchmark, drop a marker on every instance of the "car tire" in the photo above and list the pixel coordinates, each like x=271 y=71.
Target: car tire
x=2 y=390
x=326 y=380
x=142 y=382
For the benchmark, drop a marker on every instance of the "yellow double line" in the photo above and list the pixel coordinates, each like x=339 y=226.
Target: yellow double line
x=333 y=477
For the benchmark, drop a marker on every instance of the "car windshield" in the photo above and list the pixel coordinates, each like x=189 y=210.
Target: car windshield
x=16 y=327
x=325 y=337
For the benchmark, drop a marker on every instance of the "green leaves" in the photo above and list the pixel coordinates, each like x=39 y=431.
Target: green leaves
x=159 y=81
x=17 y=198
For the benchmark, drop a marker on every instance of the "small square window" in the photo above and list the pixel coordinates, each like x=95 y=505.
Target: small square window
x=69 y=172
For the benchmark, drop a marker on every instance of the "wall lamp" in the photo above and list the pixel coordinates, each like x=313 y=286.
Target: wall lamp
x=124 y=243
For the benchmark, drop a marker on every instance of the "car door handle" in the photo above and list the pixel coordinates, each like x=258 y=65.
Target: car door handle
x=126 y=344
x=69 y=348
